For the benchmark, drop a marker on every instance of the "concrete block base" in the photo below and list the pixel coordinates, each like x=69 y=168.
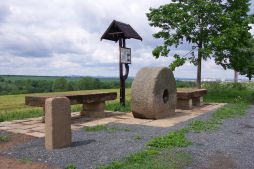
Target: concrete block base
x=197 y=101
x=184 y=104
x=94 y=110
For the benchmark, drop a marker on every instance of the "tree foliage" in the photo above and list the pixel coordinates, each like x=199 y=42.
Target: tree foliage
x=233 y=46
x=207 y=26
x=59 y=84
x=248 y=53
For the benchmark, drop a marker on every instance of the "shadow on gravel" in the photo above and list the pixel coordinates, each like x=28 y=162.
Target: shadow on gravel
x=81 y=143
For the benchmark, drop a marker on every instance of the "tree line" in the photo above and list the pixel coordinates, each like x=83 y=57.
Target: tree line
x=59 y=85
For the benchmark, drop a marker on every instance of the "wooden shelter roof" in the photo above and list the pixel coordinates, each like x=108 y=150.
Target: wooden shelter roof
x=117 y=30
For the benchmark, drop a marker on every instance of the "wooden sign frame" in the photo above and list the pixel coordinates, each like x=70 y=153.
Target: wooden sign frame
x=125 y=55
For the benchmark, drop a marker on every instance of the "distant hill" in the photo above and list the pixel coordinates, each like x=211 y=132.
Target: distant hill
x=53 y=78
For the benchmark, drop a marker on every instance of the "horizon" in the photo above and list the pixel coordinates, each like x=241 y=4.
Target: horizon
x=130 y=77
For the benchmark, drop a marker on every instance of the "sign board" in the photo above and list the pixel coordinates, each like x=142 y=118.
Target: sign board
x=125 y=55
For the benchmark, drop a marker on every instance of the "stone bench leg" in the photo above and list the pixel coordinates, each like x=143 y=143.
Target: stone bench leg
x=43 y=115
x=93 y=110
x=184 y=104
x=197 y=101
x=57 y=123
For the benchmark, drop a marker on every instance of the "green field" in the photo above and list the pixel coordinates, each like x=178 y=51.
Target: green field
x=13 y=107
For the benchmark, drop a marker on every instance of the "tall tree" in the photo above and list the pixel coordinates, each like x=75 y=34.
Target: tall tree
x=248 y=68
x=201 y=23
x=192 y=21
x=233 y=46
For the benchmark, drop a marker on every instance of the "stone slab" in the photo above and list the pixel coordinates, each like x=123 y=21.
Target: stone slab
x=126 y=118
x=57 y=123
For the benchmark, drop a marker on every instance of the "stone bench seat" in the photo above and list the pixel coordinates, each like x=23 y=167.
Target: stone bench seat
x=93 y=104
x=189 y=97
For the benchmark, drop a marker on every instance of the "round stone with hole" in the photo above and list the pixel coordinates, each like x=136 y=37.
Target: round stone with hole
x=153 y=93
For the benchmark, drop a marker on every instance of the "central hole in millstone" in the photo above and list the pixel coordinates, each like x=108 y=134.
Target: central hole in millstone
x=165 y=96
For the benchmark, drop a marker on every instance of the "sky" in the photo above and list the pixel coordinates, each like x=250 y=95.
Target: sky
x=62 y=38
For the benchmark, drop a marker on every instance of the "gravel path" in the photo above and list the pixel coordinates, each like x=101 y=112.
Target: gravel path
x=232 y=146
x=90 y=149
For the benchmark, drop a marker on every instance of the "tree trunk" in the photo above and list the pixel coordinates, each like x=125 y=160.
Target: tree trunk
x=235 y=76
x=199 y=68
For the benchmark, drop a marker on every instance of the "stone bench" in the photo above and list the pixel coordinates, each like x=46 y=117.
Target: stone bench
x=93 y=104
x=187 y=98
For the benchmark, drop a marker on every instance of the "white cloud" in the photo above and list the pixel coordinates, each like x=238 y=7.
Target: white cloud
x=62 y=37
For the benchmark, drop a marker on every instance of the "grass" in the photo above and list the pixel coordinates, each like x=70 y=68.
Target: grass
x=12 y=107
x=153 y=159
x=8 y=116
x=4 y=138
x=229 y=92
x=171 y=140
x=99 y=128
x=26 y=160
x=231 y=110
x=138 y=137
x=199 y=126
x=70 y=166
x=158 y=152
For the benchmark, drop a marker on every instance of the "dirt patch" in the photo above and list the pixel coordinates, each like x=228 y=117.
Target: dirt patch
x=222 y=161
x=8 y=163
x=15 y=139
x=248 y=126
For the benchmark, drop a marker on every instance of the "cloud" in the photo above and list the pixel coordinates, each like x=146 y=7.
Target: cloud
x=62 y=37
x=4 y=12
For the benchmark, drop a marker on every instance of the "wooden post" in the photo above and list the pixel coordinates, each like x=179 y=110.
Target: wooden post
x=122 y=79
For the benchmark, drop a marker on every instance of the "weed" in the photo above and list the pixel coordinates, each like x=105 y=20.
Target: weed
x=115 y=106
x=98 y=128
x=199 y=125
x=230 y=111
x=4 y=138
x=171 y=140
x=138 y=137
x=153 y=159
x=26 y=160
x=70 y=166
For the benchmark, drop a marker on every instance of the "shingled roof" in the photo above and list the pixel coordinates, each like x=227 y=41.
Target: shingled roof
x=118 y=30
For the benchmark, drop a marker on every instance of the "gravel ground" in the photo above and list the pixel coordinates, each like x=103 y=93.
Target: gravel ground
x=232 y=146
x=90 y=149
x=229 y=147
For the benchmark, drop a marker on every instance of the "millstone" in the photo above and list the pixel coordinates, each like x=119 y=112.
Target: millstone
x=153 y=93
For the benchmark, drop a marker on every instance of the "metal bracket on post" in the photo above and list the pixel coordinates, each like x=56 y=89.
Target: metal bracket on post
x=126 y=71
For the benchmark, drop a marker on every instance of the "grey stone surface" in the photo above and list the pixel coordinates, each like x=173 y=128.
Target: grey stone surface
x=94 y=110
x=153 y=93
x=57 y=123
